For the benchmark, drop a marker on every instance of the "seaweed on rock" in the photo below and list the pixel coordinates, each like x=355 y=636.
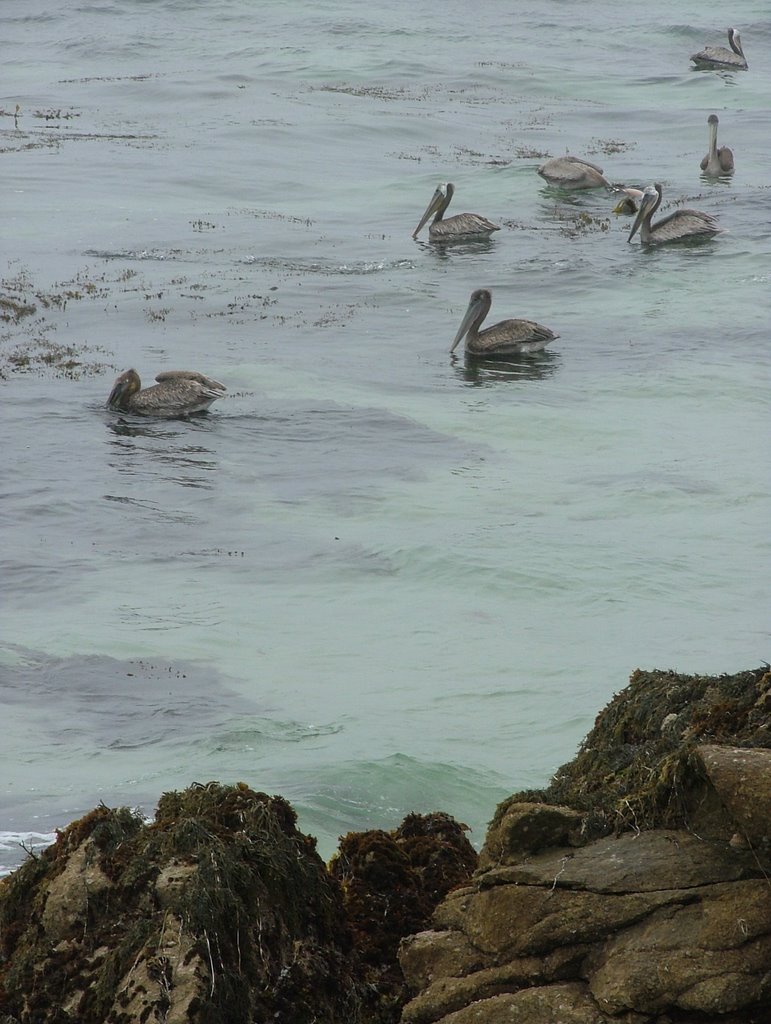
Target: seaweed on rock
x=636 y=769
x=220 y=910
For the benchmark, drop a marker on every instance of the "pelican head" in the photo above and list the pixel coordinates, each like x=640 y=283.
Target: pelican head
x=651 y=197
x=439 y=202
x=125 y=386
x=478 y=308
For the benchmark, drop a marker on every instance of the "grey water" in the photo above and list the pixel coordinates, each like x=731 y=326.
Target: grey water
x=373 y=579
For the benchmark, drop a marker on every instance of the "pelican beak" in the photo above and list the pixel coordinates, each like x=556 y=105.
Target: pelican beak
x=468 y=318
x=645 y=203
x=118 y=390
x=436 y=201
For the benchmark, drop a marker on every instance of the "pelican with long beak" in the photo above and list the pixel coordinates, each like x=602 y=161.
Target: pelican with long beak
x=177 y=393
x=460 y=227
x=717 y=161
x=572 y=172
x=720 y=57
x=680 y=226
x=500 y=341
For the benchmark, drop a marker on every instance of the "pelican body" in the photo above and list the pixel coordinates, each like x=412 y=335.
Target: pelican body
x=460 y=227
x=680 y=226
x=717 y=161
x=500 y=341
x=572 y=172
x=177 y=393
x=720 y=57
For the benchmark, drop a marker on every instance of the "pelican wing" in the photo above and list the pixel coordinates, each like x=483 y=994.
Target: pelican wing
x=190 y=375
x=510 y=337
x=719 y=56
x=572 y=172
x=462 y=225
x=726 y=158
x=685 y=224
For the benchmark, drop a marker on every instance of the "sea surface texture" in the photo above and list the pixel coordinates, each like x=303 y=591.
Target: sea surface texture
x=373 y=578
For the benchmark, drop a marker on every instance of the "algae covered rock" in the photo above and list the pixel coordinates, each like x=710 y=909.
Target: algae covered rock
x=220 y=910
x=639 y=767
x=391 y=884
x=634 y=888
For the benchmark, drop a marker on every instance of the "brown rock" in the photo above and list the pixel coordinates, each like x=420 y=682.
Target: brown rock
x=66 y=910
x=522 y=920
x=656 y=922
x=449 y=994
x=741 y=777
x=220 y=911
x=631 y=863
x=554 y=1004
x=427 y=955
x=528 y=828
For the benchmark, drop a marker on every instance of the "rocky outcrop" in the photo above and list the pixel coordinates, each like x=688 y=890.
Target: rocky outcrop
x=218 y=911
x=569 y=921
x=636 y=888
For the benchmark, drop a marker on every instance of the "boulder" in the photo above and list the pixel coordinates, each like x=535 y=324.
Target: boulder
x=629 y=897
x=219 y=912
x=741 y=778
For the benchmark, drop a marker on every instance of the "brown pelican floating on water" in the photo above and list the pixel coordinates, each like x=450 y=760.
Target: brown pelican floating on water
x=717 y=161
x=572 y=172
x=720 y=57
x=177 y=393
x=461 y=226
x=508 y=338
x=630 y=202
x=682 y=225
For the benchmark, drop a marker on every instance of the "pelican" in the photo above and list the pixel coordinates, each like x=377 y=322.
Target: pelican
x=508 y=338
x=177 y=393
x=682 y=225
x=572 y=172
x=720 y=57
x=717 y=161
x=461 y=226
x=630 y=202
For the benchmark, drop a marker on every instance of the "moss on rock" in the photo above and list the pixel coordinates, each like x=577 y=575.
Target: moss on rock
x=637 y=767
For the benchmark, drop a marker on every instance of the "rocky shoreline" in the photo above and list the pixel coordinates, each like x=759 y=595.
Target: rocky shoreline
x=636 y=887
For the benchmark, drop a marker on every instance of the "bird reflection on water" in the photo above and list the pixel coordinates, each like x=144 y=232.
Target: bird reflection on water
x=485 y=373
x=453 y=250
x=147 y=450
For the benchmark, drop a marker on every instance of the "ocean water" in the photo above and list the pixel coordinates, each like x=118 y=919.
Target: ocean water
x=373 y=579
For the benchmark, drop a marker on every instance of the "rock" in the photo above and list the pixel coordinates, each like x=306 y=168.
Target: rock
x=428 y=955
x=553 y=1004
x=528 y=828
x=668 y=921
x=741 y=778
x=219 y=912
x=655 y=861
x=696 y=937
x=630 y=774
x=391 y=883
x=66 y=911
x=634 y=889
